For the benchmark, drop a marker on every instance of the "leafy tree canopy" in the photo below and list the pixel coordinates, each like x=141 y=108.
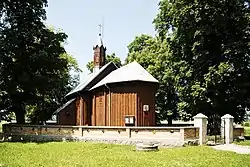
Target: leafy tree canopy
x=34 y=69
x=210 y=47
x=154 y=55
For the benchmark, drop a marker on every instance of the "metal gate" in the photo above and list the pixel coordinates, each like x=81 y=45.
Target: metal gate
x=216 y=129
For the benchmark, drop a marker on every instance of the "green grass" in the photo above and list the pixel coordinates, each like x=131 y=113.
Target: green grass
x=247 y=131
x=78 y=154
x=244 y=143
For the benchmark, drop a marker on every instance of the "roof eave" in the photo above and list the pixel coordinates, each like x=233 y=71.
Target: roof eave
x=95 y=87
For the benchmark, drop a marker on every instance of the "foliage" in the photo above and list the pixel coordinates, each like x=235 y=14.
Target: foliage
x=34 y=69
x=156 y=58
x=210 y=47
x=247 y=131
x=109 y=58
x=247 y=124
x=93 y=154
x=55 y=97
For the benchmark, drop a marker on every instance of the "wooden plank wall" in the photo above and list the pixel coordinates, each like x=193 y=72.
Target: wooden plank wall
x=98 y=117
x=126 y=99
x=83 y=102
x=123 y=102
x=146 y=96
x=70 y=119
x=78 y=111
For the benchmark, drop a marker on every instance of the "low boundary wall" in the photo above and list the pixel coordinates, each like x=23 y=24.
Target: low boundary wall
x=19 y=132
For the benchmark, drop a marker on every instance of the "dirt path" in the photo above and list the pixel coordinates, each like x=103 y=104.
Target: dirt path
x=233 y=147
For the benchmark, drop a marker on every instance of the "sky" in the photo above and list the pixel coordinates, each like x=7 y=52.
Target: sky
x=123 y=20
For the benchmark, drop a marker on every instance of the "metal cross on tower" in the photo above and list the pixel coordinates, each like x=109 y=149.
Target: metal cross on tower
x=100 y=30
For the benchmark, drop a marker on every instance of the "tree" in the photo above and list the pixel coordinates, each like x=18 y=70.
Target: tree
x=210 y=47
x=109 y=58
x=154 y=55
x=54 y=98
x=34 y=67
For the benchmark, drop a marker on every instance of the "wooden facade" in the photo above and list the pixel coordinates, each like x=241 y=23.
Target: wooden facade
x=108 y=106
x=83 y=110
x=68 y=116
x=111 y=104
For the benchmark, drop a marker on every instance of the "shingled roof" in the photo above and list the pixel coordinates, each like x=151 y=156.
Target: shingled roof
x=86 y=85
x=130 y=72
x=64 y=106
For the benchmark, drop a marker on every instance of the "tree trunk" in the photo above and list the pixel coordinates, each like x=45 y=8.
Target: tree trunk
x=170 y=121
x=20 y=117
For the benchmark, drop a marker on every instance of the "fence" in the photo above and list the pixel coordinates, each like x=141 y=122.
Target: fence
x=175 y=134
x=57 y=131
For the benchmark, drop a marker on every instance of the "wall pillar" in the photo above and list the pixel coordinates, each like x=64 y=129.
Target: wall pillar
x=81 y=111
x=227 y=124
x=200 y=121
x=128 y=131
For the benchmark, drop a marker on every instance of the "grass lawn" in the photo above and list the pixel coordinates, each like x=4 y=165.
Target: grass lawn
x=97 y=155
x=244 y=143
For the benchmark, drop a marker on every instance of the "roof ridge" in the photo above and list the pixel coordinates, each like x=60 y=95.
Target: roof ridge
x=91 y=77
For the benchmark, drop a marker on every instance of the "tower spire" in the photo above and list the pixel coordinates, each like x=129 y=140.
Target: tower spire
x=99 y=51
x=100 y=35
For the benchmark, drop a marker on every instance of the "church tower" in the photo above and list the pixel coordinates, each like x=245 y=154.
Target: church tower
x=99 y=53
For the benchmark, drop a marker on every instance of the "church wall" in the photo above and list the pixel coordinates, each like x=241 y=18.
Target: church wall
x=99 y=108
x=78 y=101
x=127 y=99
x=123 y=103
x=83 y=103
x=68 y=115
x=146 y=97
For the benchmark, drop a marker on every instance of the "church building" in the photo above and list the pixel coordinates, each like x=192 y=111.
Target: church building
x=111 y=96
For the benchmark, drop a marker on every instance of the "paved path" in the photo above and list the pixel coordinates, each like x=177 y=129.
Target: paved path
x=233 y=147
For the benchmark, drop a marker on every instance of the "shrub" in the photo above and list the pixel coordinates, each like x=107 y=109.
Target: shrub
x=247 y=124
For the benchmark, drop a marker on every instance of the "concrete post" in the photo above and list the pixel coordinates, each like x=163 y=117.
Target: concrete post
x=128 y=131
x=228 y=128
x=200 y=121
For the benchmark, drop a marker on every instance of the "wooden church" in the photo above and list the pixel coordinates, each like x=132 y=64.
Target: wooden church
x=111 y=96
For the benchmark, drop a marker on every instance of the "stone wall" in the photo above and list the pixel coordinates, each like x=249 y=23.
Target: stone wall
x=56 y=132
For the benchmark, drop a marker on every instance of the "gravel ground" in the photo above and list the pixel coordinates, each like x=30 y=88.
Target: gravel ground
x=233 y=147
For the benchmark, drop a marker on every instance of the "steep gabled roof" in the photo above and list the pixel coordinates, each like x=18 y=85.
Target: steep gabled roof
x=88 y=83
x=130 y=72
x=64 y=106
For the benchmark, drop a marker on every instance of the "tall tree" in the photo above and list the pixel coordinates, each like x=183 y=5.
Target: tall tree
x=109 y=58
x=155 y=56
x=32 y=61
x=210 y=46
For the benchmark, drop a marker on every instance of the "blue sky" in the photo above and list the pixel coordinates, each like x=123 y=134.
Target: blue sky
x=123 y=20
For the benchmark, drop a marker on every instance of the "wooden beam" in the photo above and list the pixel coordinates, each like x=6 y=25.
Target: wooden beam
x=104 y=107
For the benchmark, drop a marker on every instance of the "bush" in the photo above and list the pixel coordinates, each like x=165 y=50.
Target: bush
x=247 y=124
